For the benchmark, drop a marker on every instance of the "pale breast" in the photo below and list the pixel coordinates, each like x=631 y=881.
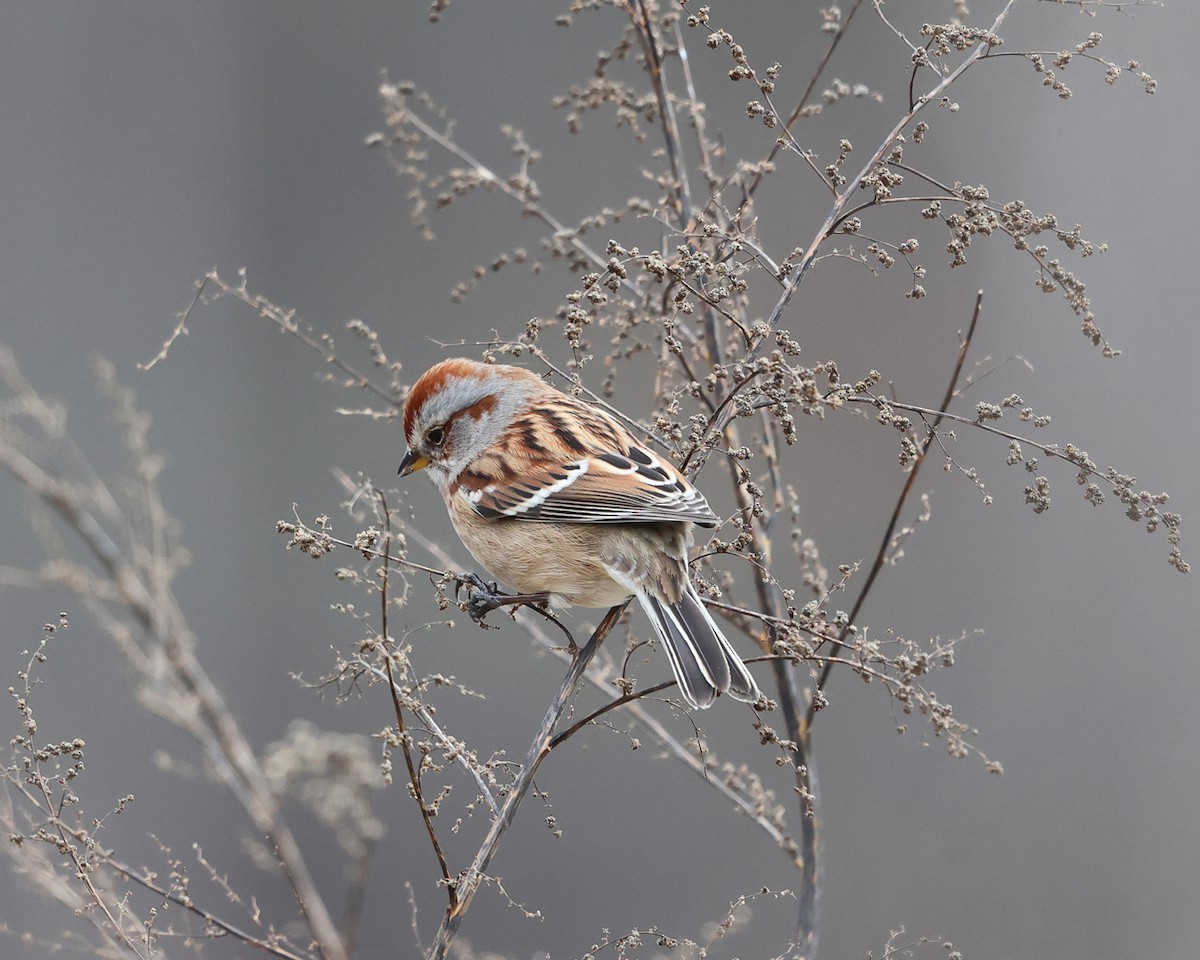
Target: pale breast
x=572 y=560
x=559 y=559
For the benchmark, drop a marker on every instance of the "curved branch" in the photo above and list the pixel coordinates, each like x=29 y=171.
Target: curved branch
x=881 y=554
x=469 y=881
x=414 y=775
x=793 y=284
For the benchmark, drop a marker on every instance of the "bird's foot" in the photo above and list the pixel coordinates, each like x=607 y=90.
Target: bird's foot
x=483 y=597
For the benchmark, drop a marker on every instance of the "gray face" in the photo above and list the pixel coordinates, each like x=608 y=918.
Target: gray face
x=461 y=420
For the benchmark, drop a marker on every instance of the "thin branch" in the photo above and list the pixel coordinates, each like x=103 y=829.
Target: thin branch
x=881 y=554
x=651 y=48
x=285 y=320
x=801 y=104
x=697 y=112
x=186 y=903
x=471 y=879
x=354 y=908
x=794 y=281
x=452 y=749
x=414 y=776
x=154 y=607
x=404 y=114
x=79 y=855
x=611 y=705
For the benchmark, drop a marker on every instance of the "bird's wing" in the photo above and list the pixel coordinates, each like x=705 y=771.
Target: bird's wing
x=635 y=487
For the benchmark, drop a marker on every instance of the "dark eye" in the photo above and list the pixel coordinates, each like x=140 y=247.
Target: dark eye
x=435 y=435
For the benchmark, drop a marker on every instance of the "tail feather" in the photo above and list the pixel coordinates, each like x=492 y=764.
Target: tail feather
x=741 y=682
x=704 y=662
x=688 y=662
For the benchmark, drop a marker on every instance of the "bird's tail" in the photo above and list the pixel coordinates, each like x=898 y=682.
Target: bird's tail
x=704 y=662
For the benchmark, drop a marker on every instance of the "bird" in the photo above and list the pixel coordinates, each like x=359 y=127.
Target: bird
x=554 y=496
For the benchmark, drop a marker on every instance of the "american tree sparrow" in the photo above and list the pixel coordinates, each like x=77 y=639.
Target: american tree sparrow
x=555 y=497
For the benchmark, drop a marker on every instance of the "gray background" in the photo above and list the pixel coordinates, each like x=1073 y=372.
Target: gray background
x=143 y=143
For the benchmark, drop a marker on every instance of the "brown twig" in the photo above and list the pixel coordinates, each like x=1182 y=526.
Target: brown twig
x=652 y=49
x=800 y=104
x=611 y=705
x=414 y=776
x=402 y=113
x=878 y=563
x=471 y=879
x=211 y=919
x=798 y=274
x=89 y=509
x=285 y=320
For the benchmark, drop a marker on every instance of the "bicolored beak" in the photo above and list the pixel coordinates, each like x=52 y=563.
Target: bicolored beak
x=412 y=462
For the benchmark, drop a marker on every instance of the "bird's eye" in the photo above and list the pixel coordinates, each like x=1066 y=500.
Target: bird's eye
x=434 y=436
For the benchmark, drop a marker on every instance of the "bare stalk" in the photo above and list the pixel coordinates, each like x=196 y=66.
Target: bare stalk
x=471 y=879
x=402 y=113
x=414 y=775
x=271 y=948
x=878 y=563
x=652 y=49
x=192 y=701
x=793 y=282
x=803 y=102
x=644 y=720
